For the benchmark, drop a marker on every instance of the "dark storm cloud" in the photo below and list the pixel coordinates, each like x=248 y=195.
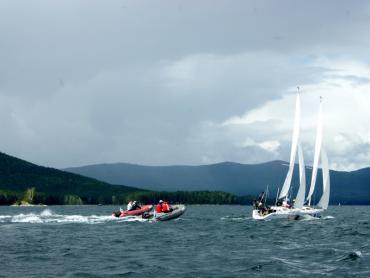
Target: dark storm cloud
x=138 y=81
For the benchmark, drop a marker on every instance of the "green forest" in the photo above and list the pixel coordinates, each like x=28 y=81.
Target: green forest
x=33 y=197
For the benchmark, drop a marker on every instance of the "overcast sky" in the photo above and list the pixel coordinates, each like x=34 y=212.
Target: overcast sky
x=182 y=82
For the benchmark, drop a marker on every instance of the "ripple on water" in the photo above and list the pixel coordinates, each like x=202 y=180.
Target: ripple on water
x=208 y=241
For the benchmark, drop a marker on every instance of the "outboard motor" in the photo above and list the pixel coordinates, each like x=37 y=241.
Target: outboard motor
x=146 y=215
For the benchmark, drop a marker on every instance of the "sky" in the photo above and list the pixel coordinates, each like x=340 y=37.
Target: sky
x=182 y=82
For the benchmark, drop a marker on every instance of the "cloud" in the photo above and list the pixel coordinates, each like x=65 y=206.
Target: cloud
x=270 y=146
x=161 y=83
x=346 y=116
x=127 y=113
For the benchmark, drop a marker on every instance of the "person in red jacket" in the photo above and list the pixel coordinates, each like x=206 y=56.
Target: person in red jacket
x=163 y=207
x=166 y=207
x=158 y=208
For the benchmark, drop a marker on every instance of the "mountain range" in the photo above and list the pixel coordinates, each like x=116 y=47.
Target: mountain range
x=25 y=183
x=240 y=179
x=53 y=186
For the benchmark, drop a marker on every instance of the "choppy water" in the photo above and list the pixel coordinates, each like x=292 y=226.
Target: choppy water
x=208 y=241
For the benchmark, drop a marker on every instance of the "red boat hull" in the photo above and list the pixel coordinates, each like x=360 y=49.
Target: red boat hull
x=135 y=212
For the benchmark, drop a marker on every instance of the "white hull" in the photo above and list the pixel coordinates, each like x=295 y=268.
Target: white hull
x=178 y=210
x=279 y=213
x=314 y=212
x=287 y=213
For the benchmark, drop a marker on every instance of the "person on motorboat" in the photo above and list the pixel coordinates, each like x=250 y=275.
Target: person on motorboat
x=158 y=207
x=129 y=206
x=166 y=207
x=135 y=205
x=163 y=207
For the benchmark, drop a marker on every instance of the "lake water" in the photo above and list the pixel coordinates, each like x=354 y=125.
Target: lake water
x=208 y=241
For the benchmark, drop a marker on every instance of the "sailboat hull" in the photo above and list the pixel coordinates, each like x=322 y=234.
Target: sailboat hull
x=276 y=213
x=309 y=211
x=287 y=213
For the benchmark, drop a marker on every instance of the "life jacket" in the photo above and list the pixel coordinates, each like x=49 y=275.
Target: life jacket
x=158 y=208
x=165 y=207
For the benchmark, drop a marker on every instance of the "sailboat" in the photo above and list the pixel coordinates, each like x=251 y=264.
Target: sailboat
x=283 y=209
x=320 y=153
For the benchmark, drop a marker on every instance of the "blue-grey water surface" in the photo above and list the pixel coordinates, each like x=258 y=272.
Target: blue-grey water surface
x=208 y=241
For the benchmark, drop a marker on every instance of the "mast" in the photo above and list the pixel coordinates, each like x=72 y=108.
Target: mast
x=285 y=189
x=317 y=153
x=277 y=196
x=299 y=201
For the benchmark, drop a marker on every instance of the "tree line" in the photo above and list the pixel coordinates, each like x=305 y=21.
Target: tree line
x=32 y=196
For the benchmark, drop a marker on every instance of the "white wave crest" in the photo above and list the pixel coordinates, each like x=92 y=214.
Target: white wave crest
x=46 y=212
x=26 y=218
x=47 y=216
x=4 y=218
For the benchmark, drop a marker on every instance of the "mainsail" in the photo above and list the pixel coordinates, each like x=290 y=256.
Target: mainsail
x=285 y=189
x=317 y=153
x=299 y=201
x=324 y=201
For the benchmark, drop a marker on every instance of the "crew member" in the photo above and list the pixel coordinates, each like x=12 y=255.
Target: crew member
x=129 y=205
x=135 y=205
x=166 y=207
x=286 y=203
x=158 y=208
x=163 y=207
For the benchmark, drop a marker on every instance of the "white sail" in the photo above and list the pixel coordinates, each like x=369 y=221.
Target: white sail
x=299 y=200
x=324 y=201
x=317 y=153
x=285 y=189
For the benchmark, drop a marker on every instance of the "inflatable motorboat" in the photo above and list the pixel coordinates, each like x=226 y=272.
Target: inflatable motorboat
x=135 y=212
x=177 y=211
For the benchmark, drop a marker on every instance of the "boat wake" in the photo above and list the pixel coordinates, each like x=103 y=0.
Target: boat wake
x=310 y=218
x=236 y=218
x=47 y=216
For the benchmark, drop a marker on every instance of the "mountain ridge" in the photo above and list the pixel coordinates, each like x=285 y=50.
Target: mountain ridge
x=348 y=187
x=53 y=185
x=25 y=183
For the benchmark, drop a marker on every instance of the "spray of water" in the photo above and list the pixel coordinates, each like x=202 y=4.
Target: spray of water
x=47 y=216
